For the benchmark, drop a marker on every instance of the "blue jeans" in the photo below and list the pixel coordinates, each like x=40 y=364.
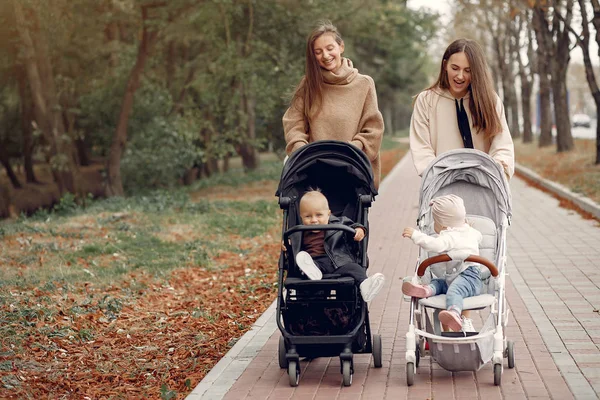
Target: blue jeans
x=467 y=283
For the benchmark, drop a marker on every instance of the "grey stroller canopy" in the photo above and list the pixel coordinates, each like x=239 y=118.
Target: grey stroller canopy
x=465 y=172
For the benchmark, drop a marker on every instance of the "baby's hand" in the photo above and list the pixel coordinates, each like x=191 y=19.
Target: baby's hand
x=408 y=232
x=359 y=235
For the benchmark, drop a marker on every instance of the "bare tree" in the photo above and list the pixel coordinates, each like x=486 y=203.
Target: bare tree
x=543 y=53
x=556 y=37
x=525 y=75
x=583 y=40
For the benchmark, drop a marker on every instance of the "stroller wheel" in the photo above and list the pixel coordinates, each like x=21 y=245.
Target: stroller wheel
x=282 y=351
x=294 y=373
x=497 y=374
x=510 y=353
x=347 y=372
x=410 y=373
x=377 y=354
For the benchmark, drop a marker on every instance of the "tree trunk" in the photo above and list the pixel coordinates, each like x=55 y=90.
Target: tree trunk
x=540 y=25
x=82 y=152
x=5 y=161
x=559 y=62
x=26 y=128
x=587 y=61
x=113 y=185
x=525 y=77
x=511 y=35
x=50 y=127
x=4 y=201
x=246 y=150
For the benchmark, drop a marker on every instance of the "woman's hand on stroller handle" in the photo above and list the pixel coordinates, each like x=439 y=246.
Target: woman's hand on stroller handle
x=445 y=257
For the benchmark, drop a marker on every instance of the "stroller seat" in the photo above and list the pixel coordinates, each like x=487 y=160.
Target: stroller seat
x=488 y=230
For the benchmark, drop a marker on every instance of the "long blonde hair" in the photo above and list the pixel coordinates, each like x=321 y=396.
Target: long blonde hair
x=310 y=88
x=483 y=97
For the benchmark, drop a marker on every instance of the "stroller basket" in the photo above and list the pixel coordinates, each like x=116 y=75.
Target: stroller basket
x=468 y=356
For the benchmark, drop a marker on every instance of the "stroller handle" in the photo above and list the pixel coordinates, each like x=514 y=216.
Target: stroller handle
x=445 y=257
x=328 y=227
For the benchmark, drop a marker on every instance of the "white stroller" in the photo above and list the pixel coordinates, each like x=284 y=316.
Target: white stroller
x=480 y=181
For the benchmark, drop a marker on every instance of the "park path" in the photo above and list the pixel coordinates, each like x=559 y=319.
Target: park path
x=553 y=290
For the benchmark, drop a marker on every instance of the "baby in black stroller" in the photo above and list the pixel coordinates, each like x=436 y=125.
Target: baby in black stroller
x=326 y=315
x=328 y=251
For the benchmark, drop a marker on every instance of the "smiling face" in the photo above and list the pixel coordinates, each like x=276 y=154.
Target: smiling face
x=314 y=209
x=328 y=52
x=459 y=74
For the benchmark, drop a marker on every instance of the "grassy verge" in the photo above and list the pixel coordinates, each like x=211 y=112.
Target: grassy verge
x=574 y=169
x=138 y=297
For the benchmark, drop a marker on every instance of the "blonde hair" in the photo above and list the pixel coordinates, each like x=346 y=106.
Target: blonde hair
x=314 y=195
x=310 y=89
x=483 y=98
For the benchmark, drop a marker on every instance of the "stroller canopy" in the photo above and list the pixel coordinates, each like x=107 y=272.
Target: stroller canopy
x=339 y=169
x=471 y=174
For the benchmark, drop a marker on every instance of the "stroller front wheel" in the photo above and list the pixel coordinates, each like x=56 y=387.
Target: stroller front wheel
x=510 y=353
x=497 y=374
x=377 y=352
x=410 y=374
x=347 y=372
x=294 y=373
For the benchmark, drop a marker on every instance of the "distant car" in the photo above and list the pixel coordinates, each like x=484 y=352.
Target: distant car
x=582 y=120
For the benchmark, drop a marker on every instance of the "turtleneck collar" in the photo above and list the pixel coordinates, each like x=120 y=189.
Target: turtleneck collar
x=343 y=76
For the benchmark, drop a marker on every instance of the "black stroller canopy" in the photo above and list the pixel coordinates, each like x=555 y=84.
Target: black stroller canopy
x=314 y=164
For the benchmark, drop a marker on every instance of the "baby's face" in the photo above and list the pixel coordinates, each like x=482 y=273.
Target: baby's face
x=314 y=212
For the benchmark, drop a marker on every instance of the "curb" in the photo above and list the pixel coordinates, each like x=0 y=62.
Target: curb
x=584 y=203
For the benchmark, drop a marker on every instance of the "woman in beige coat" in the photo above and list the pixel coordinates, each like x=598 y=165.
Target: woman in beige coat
x=461 y=110
x=334 y=101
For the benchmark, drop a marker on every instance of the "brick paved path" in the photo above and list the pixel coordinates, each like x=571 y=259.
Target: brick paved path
x=552 y=290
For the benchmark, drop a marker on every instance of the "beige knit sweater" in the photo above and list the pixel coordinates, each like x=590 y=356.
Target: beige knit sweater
x=434 y=130
x=349 y=113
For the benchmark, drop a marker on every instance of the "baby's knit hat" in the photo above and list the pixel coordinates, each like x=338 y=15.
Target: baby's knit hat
x=448 y=210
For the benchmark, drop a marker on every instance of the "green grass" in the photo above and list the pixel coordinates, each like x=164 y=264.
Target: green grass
x=109 y=238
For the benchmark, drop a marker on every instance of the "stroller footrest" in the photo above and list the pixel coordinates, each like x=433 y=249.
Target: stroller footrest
x=469 y=303
x=301 y=283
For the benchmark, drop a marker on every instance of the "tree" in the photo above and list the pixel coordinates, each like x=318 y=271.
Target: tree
x=543 y=53
x=114 y=183
x=38 y=66
x=583 y=40
x=555 y=36
x=525 y=71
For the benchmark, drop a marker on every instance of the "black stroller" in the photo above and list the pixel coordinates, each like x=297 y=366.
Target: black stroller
x=327 y=317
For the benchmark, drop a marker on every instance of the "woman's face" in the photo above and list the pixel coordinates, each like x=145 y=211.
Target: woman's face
x=328 y=52
x=459 y=74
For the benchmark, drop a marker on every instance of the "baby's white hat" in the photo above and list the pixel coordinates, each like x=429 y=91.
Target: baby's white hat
x=448 y=210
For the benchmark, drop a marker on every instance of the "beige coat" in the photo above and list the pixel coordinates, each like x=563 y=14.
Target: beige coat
x=434 y=130
x=349 y=113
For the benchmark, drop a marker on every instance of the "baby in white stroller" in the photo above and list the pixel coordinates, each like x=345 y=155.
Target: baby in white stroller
x=459 y=239
x=478 y=283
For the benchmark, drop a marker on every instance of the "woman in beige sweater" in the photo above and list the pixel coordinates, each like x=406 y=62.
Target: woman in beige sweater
x=333 y=101
x=460 y=110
